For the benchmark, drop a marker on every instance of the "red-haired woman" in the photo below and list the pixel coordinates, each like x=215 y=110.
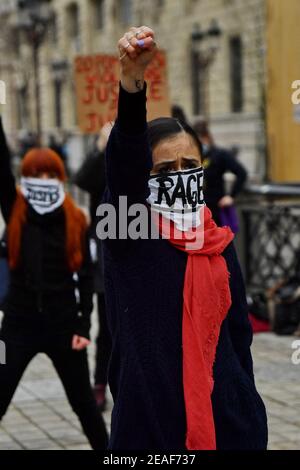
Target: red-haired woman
x=47 y=245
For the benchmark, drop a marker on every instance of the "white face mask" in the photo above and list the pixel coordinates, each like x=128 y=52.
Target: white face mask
x=44 y=195
x=178 y=196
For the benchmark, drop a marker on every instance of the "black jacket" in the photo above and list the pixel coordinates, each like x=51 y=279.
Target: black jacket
x=42 y=286
x=217 y=162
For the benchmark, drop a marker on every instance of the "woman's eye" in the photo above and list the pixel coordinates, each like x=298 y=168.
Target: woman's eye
x=165 y=169
x=189 y=165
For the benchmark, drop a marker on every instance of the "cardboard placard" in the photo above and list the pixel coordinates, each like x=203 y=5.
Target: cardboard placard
x=97 y=88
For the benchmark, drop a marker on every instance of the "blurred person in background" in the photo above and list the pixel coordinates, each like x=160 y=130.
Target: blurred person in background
x=91 y=178
x=47 y=246
x=218 y=161
x=56 y=146
x=177 y=112
x=59 y=146
x=27 y=141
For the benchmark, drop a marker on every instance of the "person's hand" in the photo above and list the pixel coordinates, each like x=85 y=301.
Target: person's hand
x=79 y=343
x=136 y=48
x=226 y=201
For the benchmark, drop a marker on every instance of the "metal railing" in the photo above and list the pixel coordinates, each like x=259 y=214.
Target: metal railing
x=270 y=237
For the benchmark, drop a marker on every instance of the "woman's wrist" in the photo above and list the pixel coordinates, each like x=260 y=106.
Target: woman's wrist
x=133 y=84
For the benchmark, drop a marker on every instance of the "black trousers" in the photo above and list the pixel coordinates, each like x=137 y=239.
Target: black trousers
x=22 y=344
x=103 y=349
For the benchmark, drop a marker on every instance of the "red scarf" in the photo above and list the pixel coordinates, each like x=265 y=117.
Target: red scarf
x=206 y=301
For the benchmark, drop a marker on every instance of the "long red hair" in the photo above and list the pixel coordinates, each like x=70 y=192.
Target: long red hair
x=38 y=161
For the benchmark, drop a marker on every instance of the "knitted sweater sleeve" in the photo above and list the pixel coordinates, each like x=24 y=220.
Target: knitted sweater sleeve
x=7 y=180
x=128 y=154
x=238 y=320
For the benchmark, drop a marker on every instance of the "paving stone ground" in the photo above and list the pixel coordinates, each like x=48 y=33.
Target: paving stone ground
x=278 y=380
x=41 y=418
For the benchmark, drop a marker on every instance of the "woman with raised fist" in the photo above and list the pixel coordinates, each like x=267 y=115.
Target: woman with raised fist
x=181 y=370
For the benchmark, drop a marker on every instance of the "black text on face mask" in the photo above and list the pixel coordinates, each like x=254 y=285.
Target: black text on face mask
x=189 y=191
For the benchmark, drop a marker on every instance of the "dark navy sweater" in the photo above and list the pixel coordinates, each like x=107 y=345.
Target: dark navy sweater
x=144 y=288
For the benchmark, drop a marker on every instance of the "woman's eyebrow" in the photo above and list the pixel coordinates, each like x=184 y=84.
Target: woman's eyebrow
x=165 y=162
x=191 y=158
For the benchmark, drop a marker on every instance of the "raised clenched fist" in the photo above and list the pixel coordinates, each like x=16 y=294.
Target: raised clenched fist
x=136 y=48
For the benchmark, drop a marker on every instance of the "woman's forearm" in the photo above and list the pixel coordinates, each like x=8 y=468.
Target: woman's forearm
x=86 y=289
x=128 y=154
x=239 y=184
x=132 y=113
x=4 y=154
x=7 y=180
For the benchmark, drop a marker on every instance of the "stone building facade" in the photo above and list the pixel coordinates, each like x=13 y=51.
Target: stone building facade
x=235 y=80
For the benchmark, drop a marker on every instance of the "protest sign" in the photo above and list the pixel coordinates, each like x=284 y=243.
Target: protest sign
x=97 y=87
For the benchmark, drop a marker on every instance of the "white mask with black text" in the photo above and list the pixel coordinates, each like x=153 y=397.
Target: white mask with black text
x=178 y=196
x=43 y=195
